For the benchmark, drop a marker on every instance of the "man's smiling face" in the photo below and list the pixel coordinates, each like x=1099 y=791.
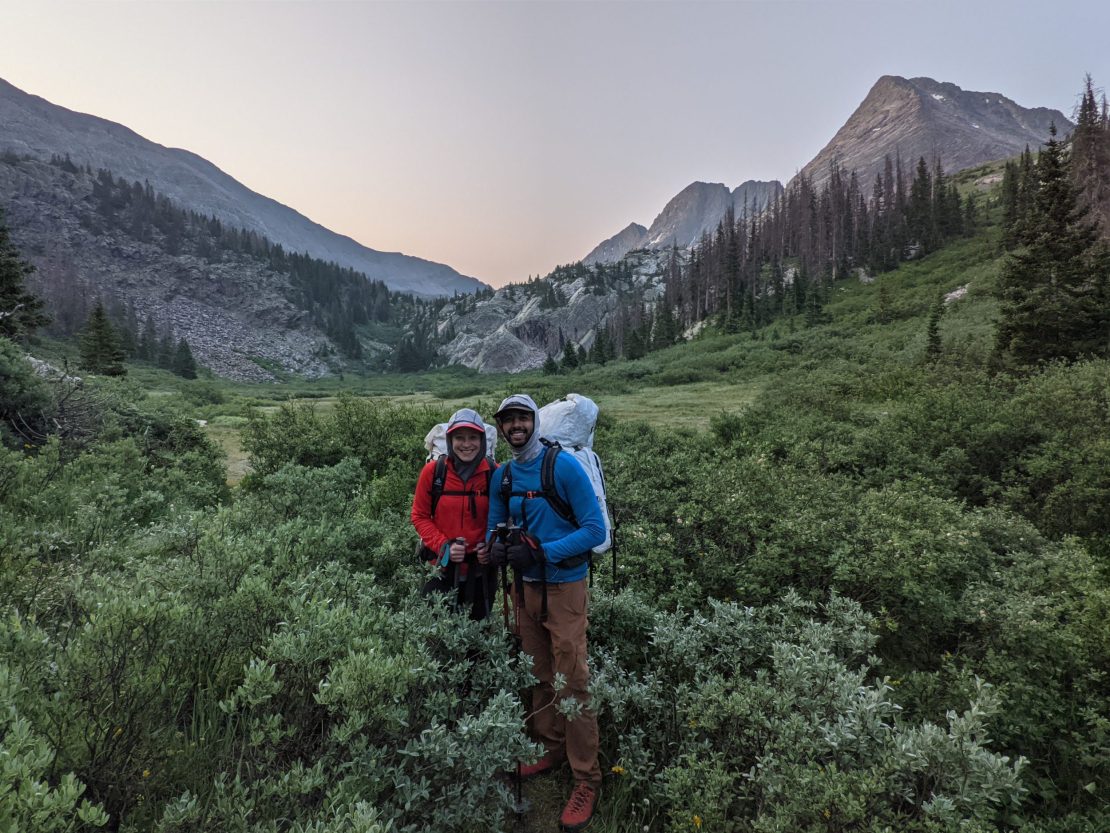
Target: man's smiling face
x=516 y=426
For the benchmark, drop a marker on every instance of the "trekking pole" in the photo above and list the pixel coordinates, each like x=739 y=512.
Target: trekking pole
x=459 y=564
x=613 y=534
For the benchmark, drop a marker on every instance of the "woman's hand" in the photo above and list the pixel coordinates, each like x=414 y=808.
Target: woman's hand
x=482 y=551
x=458 y=550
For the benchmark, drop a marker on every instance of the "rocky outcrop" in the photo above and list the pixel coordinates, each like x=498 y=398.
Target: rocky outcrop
x=692 y=212
x=754 y=196
x=33 y=126
x=617 y=246
x=696 y=210
x=921 y=117
x=514 y=331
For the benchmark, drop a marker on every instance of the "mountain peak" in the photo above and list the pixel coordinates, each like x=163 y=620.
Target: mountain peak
x=916 y=117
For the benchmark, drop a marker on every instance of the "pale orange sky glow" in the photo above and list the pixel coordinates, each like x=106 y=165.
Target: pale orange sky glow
x=505 y=138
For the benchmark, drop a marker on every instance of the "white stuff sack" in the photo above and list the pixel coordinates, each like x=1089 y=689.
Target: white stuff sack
x=436 y=441
x=571 y=422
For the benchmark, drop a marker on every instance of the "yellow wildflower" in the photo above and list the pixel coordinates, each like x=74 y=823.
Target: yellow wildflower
x=826 y=813
x=697 y=821
x=146 y=773
x=618 y=769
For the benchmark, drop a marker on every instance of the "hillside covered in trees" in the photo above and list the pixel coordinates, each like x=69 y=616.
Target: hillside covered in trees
x=232 y=295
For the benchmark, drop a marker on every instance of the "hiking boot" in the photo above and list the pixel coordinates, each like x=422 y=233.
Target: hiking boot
x=579 y=811
x=541 y=767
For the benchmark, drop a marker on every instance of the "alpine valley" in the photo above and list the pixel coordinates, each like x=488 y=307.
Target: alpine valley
x=171 y=243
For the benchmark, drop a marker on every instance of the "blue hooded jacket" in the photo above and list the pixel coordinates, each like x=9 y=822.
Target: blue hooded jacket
x=560 y=538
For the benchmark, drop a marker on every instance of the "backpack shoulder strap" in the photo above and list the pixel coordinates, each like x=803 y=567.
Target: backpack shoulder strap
x=506 y=483
x=439 y=480
x=547 y=483
x=492 y=466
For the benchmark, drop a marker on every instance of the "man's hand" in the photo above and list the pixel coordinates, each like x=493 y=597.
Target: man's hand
x=482 y=551
x=524 y=555
x=498 y=553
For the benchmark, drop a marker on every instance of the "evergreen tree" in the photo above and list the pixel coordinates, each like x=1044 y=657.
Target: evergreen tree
x=164 y=357
x=971 y=216
x=1009 y=197
x=148 y=341
x=601 y=350
x=100 y=346
x=1054 y=288
x=814 y=313
x=183 y=362
x=570 y=356
x=666 y=328
x=1090 y=154
x=550 y=366
x=933 y=344
x=883 y=312
x=20 y=311
x=634 y=345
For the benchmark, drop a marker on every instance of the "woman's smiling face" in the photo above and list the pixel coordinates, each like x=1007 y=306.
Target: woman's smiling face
x=466 y=443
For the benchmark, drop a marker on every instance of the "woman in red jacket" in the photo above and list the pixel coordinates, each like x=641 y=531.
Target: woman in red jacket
x=450 y=515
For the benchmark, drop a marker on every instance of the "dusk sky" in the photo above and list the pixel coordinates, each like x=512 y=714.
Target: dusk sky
x=505 y=138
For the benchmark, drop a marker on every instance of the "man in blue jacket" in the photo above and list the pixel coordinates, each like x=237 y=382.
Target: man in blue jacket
x=550 y=559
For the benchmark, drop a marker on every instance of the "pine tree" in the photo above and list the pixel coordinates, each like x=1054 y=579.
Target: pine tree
x=550 y=366
x=602 y=349
x=183 y=363
x=814 y=313
x=933 y=344
x=883 y=310
x=971 y=216
x=634 y=345
x=1054 y=288
x=100 y=346
x=20 y=311
x=1090 y=154
x=148 y=341
x=570 y=356
x=164 y=356
x=1009 y=197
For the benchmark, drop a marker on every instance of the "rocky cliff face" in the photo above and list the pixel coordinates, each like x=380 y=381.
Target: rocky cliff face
x=921 y=117
x=617 y=246
x=234 y=313
x=33 y=126
x=694 y=211
x=514 y=330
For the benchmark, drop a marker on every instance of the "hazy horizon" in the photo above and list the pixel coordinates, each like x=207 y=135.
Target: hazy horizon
x=505 y=138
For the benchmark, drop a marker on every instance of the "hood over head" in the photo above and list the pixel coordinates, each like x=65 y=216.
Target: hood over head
x=466 y=418
x=522 y=402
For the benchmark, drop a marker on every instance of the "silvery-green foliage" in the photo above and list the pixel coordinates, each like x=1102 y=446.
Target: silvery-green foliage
x=29 y=798
x=772 y=719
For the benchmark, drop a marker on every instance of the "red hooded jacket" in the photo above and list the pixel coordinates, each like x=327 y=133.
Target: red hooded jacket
x=457 y=516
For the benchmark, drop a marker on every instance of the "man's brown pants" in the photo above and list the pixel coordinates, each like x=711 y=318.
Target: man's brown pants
x=559 y=646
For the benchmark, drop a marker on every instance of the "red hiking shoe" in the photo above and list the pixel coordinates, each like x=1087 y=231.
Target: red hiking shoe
x=541 y=767
x=579 y=811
